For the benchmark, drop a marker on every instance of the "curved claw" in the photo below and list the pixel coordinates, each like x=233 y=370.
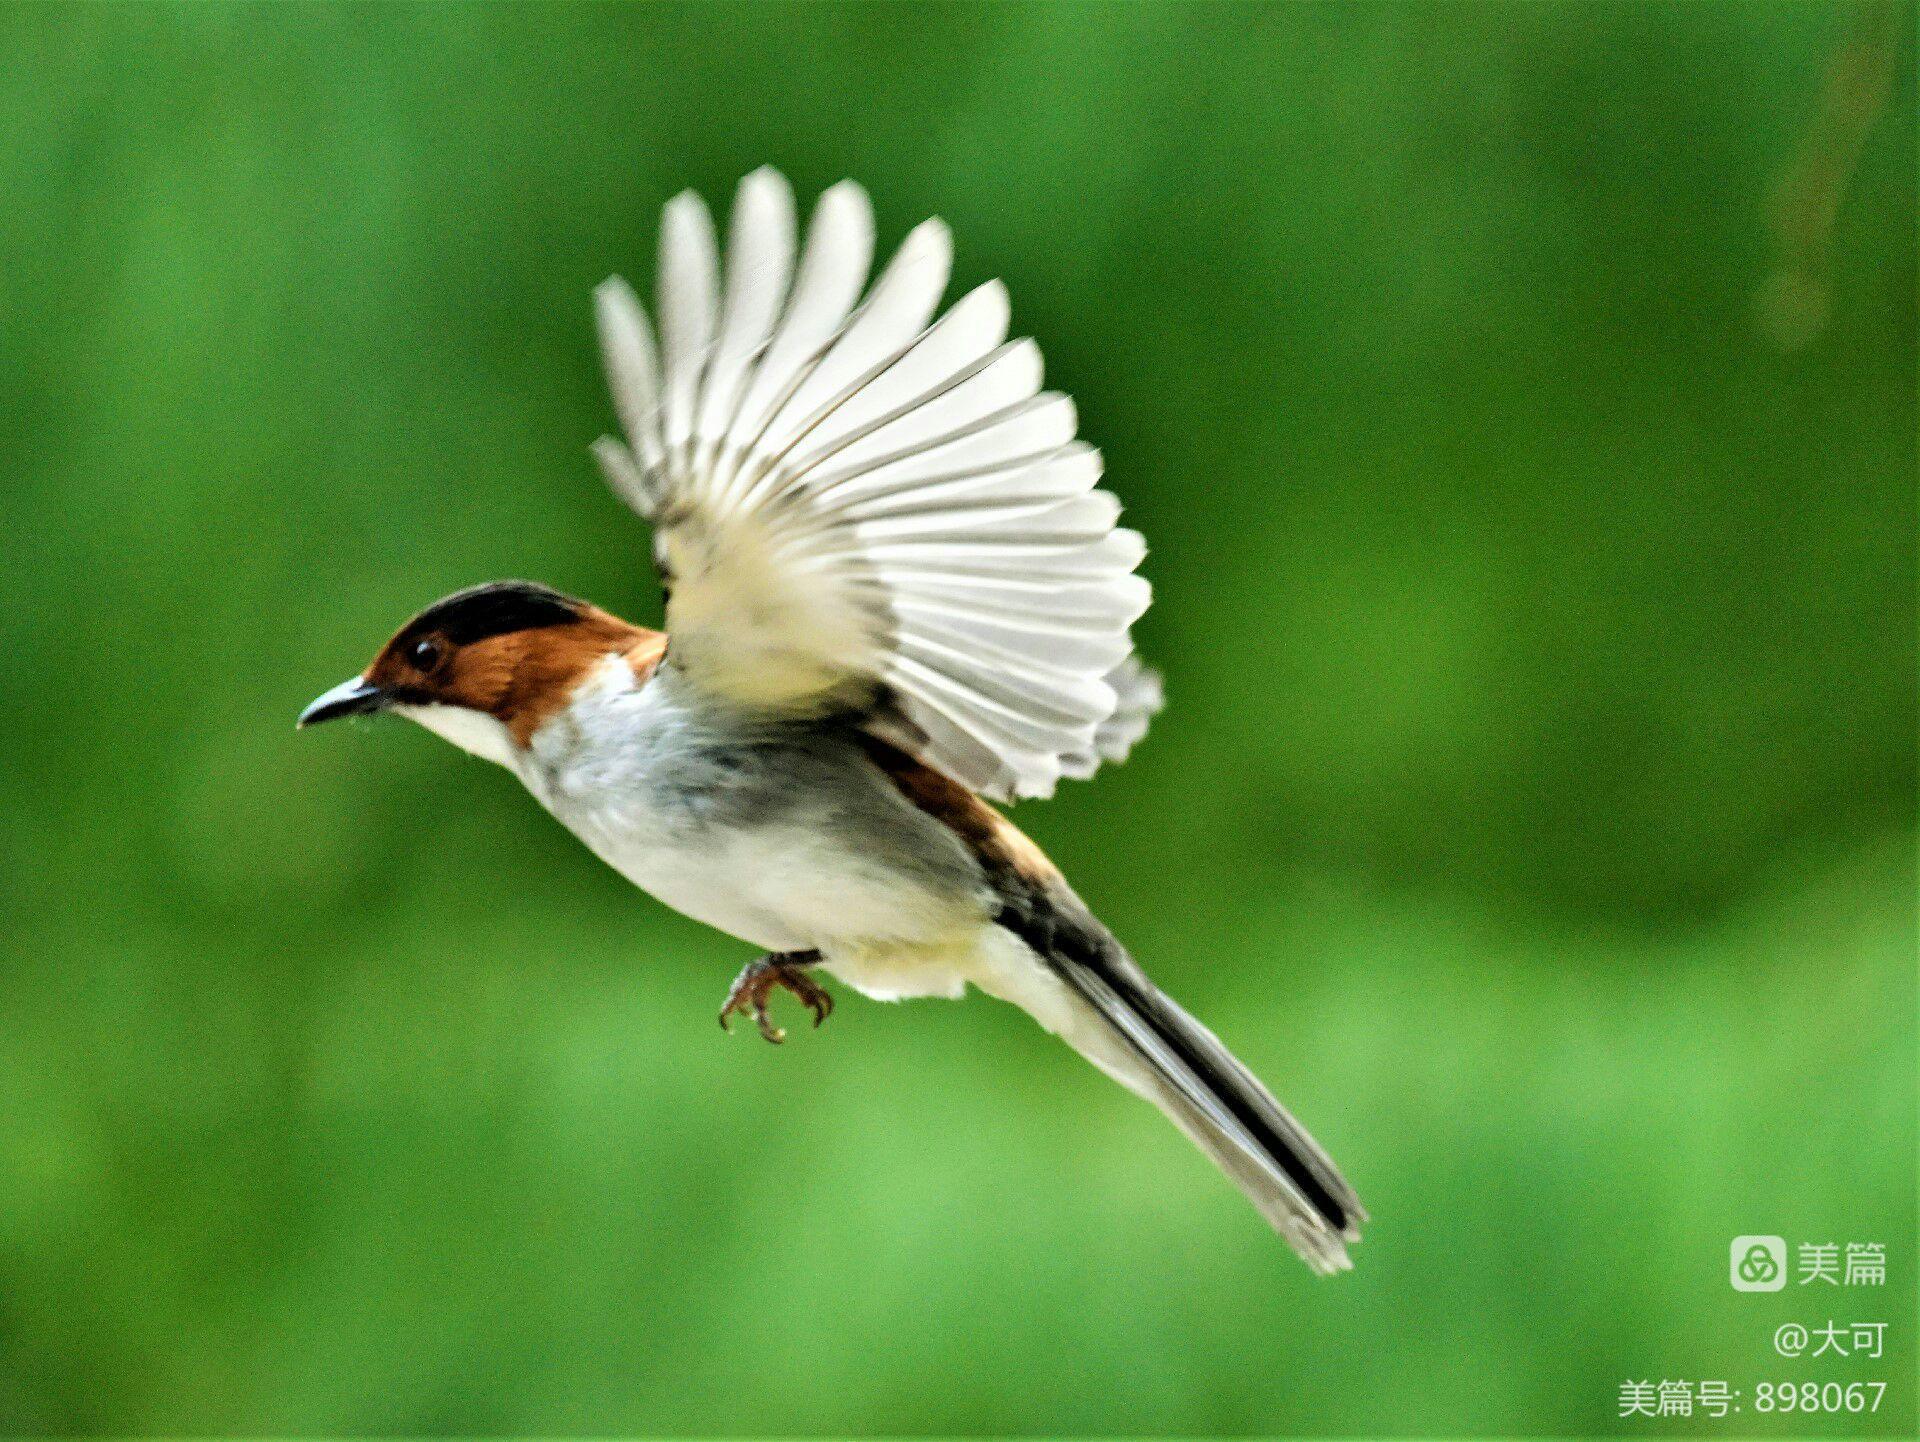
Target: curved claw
x=755 y=984
x=772 y=1033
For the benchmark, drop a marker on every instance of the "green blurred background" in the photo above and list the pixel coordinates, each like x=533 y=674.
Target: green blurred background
x=1519 y=400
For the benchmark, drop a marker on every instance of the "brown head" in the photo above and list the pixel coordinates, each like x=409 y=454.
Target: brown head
x=485 y=666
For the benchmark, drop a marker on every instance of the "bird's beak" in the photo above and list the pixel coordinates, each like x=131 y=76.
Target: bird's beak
x=357 y=697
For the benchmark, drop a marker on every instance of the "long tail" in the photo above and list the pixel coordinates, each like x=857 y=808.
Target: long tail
x=1233 y=1118
x=1119 y=1020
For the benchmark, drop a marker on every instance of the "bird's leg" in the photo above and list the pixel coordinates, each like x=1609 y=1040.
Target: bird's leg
x=757 y=980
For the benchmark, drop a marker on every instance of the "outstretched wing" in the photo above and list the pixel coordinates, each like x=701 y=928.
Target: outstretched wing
x=859 y=506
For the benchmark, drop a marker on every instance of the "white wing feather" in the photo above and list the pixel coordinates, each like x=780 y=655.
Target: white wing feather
x=688 y=271
x=862 y=506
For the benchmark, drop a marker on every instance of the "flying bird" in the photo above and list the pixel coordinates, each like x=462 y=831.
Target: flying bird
x=894 y=594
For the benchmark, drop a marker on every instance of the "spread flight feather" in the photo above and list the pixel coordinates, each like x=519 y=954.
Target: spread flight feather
x=858 y=505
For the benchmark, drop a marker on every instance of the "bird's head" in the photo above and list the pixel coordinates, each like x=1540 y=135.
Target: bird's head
x=486 y=666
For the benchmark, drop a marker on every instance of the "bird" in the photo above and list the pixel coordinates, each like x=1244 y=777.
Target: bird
x=895 y=595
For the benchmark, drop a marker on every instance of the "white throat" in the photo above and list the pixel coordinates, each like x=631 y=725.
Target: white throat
x=473 y=731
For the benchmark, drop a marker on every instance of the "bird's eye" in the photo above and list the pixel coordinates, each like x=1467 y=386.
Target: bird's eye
x=425 y=655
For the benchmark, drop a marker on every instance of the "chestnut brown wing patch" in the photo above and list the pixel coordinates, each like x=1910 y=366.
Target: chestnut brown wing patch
x=1010 y=859
x=1036 y=904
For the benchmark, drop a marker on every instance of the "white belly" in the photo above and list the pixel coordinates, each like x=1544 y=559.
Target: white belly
x=784 y=889
x=811 y=852
x=875 y=929
x=791 y=847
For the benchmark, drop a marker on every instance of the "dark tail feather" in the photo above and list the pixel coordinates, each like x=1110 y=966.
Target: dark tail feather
x=1185 y=1070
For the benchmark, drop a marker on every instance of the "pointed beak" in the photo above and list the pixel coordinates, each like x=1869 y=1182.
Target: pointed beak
x=357 y=697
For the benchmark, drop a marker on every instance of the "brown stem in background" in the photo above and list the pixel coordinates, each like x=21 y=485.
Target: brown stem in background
x=1795 y=301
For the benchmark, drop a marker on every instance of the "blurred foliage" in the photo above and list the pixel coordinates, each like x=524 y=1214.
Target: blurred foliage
x=1535 y=807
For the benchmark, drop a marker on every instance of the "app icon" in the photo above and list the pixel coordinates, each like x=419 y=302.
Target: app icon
x=1758 y=1264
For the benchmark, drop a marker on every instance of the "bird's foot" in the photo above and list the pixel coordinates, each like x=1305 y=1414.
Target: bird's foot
x=757 y=980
